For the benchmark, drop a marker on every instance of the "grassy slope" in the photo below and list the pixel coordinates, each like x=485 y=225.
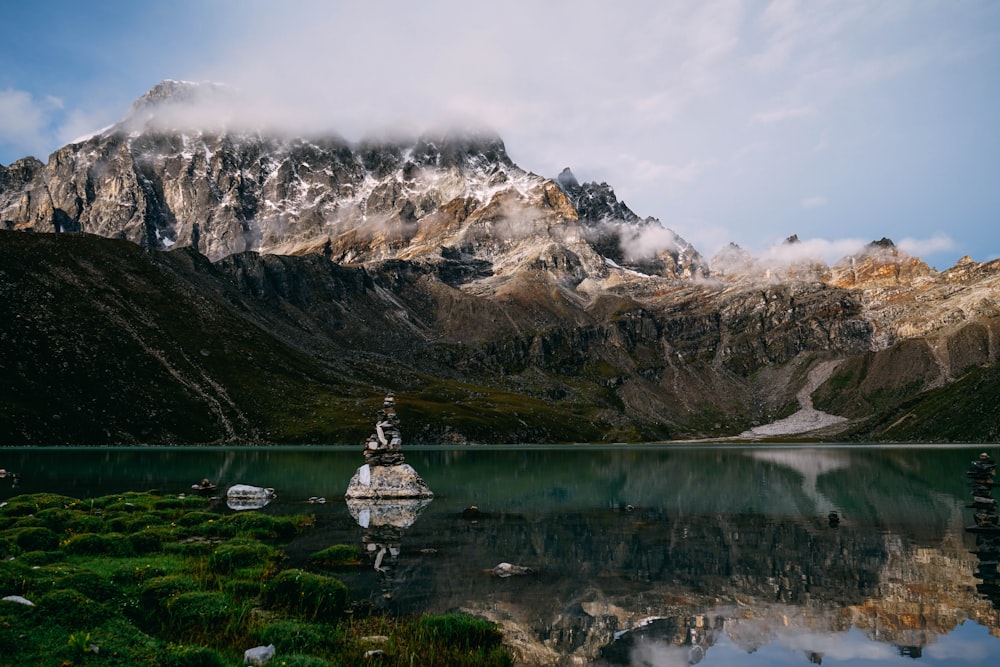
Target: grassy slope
x=967 y=410
x=103 y=342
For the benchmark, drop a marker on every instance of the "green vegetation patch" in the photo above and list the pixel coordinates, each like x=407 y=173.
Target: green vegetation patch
x=452 y=639
x=462 y=630
x=306 y=595
x=300 y=637
x=34 y=539
x=92 y=585
x=71 y=609
x=165 y=584
x=192 y=656
x=204 y=616
x=230 y=557
x=94 y=544
x=967 y=410
x=337 y=556
x=35 y=502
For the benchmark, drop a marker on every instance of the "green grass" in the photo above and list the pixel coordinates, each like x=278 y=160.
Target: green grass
x=968 y=410
x=336 y=557
x=158 y=583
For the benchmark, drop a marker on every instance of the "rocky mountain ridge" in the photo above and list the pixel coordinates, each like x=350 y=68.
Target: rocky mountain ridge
x=438 y=262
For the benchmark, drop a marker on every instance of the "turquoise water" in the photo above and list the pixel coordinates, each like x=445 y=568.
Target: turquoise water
x=719 y=555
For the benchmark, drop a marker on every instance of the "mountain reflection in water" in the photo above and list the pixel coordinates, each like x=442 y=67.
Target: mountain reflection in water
x=639 y=556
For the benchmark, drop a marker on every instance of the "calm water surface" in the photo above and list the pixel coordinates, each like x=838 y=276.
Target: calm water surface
x=708 y=555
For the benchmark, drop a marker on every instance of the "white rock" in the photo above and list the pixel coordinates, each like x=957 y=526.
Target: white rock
x=20 y=600
x=398 y=481
x=508 y=570
x=259 y=655
x=247 y=497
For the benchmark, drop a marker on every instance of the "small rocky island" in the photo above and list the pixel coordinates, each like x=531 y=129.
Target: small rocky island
x=384 y=474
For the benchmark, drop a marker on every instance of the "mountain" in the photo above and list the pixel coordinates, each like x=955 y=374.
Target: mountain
x=273 y=286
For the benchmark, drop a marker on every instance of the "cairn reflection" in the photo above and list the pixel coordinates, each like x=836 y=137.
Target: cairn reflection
x=981 y=477
x=386 y=495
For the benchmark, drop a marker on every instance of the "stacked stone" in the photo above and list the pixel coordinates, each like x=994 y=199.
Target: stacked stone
x=384 y=447
x=384 y=475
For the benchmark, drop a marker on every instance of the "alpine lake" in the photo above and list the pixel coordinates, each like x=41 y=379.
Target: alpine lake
x=631 y=555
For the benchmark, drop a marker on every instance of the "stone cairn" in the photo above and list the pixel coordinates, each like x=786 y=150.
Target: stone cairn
x=384 y=446
x=386 y=495
x=384 y=474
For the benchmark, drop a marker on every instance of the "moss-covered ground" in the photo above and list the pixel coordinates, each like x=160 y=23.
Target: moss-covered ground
x=140 y=579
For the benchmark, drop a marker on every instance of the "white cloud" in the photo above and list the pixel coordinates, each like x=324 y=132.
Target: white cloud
x=707 y=238
x=816 y=201
x=79 y=124
x=812 y=249
x=24 y=121
x=924 y=247
x=647 y=241
x=782 y=253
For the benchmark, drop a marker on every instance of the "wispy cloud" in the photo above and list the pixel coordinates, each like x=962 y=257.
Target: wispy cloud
x=779 y=115
x=811 y=249
x=924 y=247
x=816 y=201
x=833 y=250
x=24 y=120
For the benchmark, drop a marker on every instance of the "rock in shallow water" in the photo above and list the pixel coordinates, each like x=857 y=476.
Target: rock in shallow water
x=505 y=570
x=399 y=481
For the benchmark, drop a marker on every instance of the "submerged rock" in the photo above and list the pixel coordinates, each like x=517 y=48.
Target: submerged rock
x=505 y=570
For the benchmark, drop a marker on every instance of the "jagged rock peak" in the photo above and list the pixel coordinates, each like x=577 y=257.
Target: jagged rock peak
x=790 y=260
x=625 y=239
x=731 y=261
x=19 y=173
x=457 y=147
x=170 y=90
x=595 y=202
x=194 y=171
x=187 y=105
x=566 y=180
x=967 y=269
x=879 y=264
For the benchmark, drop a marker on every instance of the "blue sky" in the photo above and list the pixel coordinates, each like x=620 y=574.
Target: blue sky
x=841 y=122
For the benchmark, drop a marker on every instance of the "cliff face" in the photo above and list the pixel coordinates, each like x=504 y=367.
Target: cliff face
x=436 y=262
